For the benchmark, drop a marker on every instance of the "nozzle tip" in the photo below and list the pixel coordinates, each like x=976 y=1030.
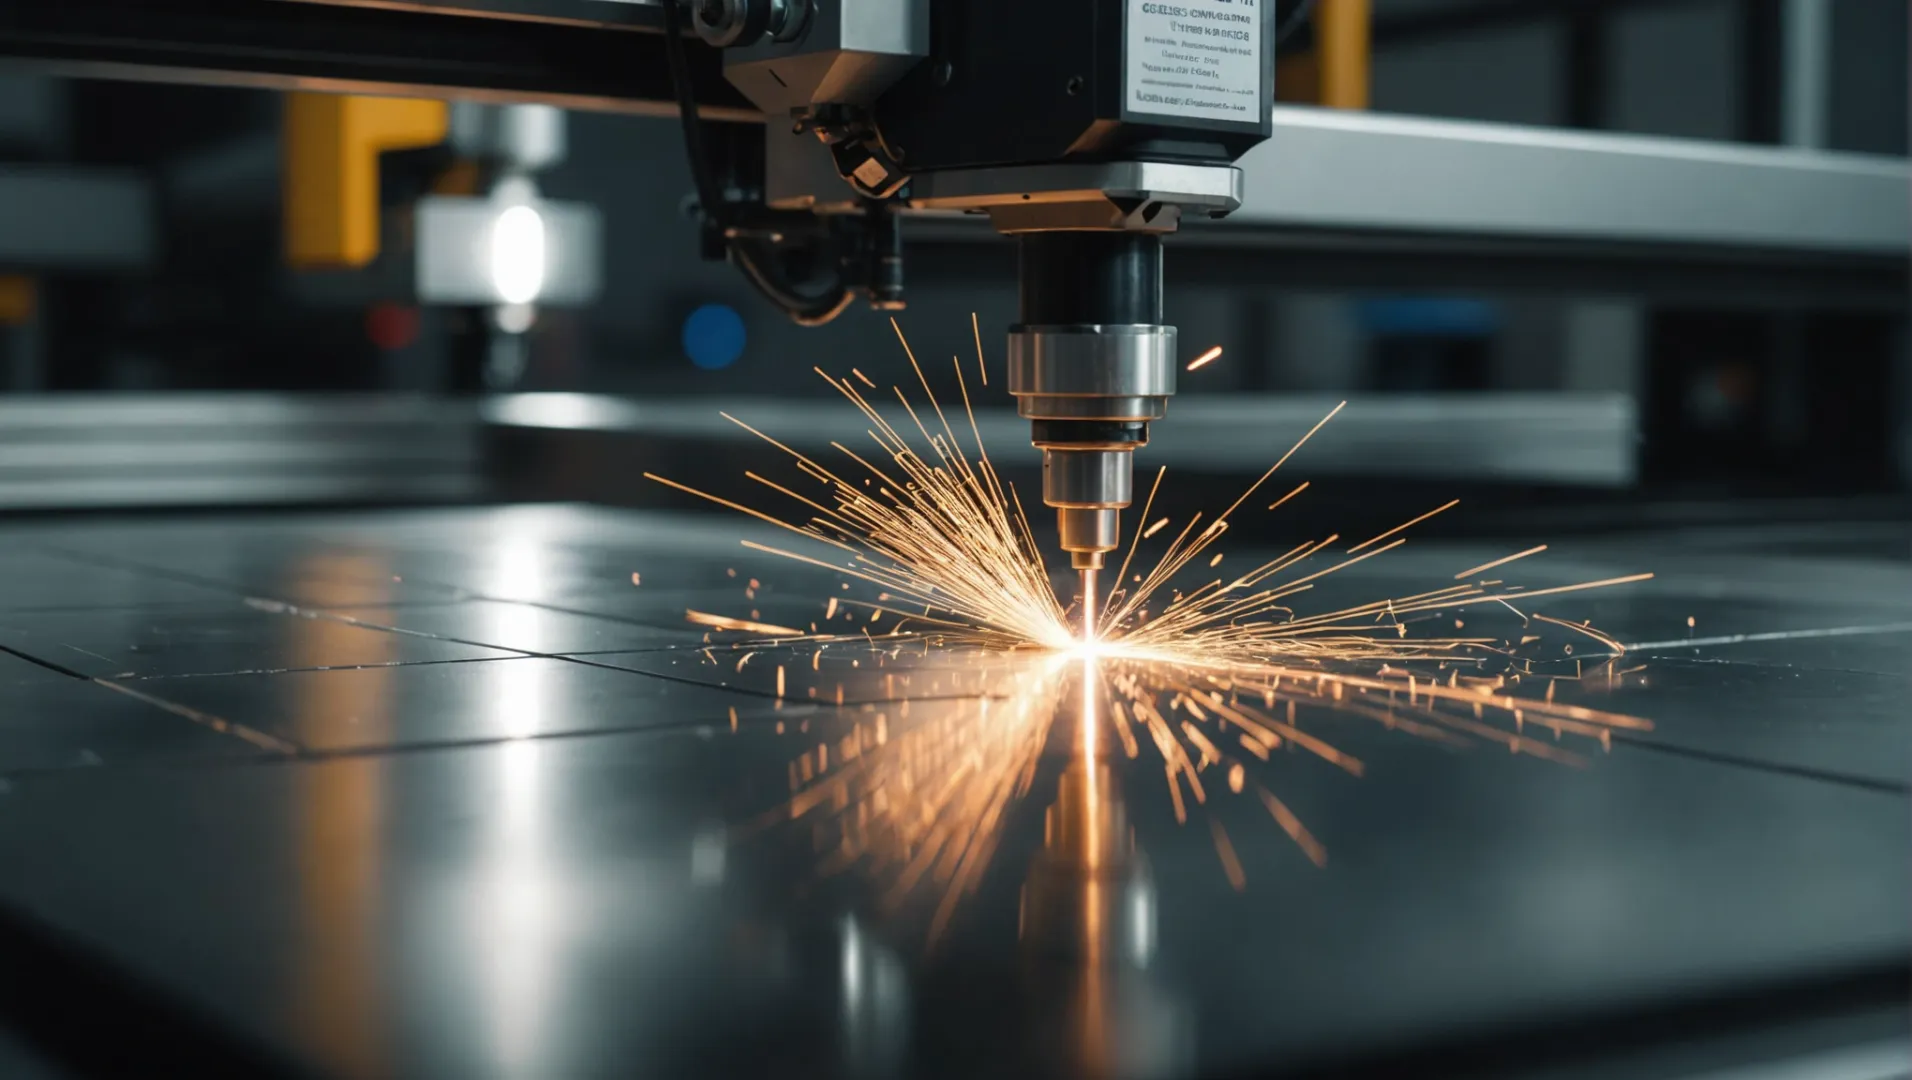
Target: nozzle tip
x=1087 y=532
x=1085 y=560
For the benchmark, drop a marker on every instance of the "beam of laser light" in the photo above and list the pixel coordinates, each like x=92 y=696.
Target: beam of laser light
x=1088 y=606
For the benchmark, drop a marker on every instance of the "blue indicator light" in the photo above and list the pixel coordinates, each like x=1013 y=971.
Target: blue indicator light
x=714 y=336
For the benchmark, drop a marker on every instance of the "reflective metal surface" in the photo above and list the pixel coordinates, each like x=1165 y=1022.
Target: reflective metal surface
x=91 y=451
x=1119 y=362
x=1334 y=168
x=446 y=794
x=1552 y=438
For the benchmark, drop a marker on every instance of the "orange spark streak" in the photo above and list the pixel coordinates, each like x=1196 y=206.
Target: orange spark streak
x=1207 y=358
x=981 y=364
x=1298 y=490
x=725 y=622
x=1502 y=561
x=1231 y=865
x=1292 y=825
x=1411 y=522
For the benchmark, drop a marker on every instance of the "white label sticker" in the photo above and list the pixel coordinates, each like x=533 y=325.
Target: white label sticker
x=1196 y=58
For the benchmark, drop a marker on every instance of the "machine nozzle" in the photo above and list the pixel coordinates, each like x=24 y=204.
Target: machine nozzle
x=1088 y=488
x=1088 y=534
x=1090 y=365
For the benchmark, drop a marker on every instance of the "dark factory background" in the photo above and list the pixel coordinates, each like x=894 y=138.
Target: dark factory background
x=150 y=255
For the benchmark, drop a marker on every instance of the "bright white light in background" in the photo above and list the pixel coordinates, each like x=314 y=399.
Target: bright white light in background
x=517 y=254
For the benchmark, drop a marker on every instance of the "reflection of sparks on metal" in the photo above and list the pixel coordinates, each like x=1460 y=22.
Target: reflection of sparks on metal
x=725 y=622
x=916 y=803
x=1210 y=677
x=1213 y=352
x=1092 y=800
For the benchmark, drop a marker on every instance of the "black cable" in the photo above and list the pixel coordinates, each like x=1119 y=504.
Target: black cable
x=804 y=310
x=679 y=65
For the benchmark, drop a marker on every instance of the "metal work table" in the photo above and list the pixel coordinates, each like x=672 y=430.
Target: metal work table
x=441 y=793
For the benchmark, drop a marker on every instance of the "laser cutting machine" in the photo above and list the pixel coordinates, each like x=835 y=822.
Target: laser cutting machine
x=1085 y=129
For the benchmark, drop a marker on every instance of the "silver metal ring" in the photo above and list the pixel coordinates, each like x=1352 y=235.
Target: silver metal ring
x=1087 y=478
x=1043 y=407
x=1106 y=361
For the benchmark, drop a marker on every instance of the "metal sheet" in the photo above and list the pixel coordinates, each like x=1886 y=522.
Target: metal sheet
x=426 y=862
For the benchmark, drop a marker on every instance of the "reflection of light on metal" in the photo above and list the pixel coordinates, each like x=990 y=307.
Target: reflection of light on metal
x=1088 y=886
x=922 y=803
x=337 y=998
x=875 y=1002
x=707 y=853
x=1092 y=797
x=518 y=254
x=517 y=570
x=1141 y=924
x=725 y=622
x=852 y=965
x=1087 y=924
x=518 y=923
x=518 y=687
x=515 y=921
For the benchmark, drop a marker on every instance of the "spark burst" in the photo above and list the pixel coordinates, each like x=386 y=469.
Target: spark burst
x=1213 y=679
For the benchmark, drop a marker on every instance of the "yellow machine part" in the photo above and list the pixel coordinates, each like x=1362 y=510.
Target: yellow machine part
x=19 y=299
x=1335 y=74
x=331 y=144
x=1342 y=37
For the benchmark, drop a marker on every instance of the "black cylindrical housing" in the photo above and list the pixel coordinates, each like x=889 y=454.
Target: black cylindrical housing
x=1090 y=277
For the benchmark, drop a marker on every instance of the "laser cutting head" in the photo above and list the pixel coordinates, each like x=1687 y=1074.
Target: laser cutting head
x=1088 y=134
x=1090 y=364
